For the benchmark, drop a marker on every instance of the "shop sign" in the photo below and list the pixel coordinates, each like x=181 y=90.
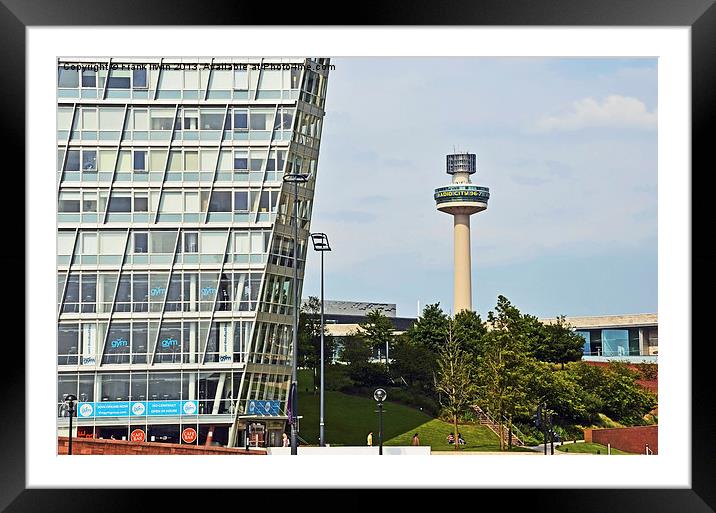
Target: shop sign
x=188 y=436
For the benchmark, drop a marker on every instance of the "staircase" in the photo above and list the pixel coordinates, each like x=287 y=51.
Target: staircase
x=485 y=419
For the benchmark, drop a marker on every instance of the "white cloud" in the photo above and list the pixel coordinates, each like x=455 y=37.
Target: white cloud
x=613 y=111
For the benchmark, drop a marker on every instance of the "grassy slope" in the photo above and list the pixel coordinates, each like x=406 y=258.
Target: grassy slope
x=350 y=418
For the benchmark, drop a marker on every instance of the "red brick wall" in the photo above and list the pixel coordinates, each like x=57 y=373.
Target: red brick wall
x=629 y=439
x=95 y=446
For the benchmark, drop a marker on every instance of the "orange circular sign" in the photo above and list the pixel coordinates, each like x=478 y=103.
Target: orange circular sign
x=189 y=435
x=137 y=435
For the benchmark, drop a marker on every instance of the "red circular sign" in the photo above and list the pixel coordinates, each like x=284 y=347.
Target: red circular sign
x=137 y=435
x=189 y=435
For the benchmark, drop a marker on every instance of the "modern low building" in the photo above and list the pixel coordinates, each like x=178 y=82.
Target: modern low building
x=633 y=338
x=175 y=241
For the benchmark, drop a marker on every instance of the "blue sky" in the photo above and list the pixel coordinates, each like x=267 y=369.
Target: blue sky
x=568 y=148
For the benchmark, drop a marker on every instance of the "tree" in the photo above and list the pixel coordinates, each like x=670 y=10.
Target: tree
x=505 y=364
x=355 y=350
x=455 y=380
x=557 y=343
x=377 y=331
x=430 y=329
x=309 y=337
x=413 y=363
x=469 y=330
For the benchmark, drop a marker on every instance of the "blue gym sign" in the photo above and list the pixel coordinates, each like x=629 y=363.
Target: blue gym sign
x=265 y=408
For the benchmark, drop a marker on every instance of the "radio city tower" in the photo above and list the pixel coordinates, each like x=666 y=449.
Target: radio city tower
x=461 y=199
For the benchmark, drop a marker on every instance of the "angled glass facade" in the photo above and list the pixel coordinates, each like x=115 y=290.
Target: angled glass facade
x=175 y=240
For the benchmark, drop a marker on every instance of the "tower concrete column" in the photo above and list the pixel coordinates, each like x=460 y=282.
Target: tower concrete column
x=461 y=199
x=462 y=275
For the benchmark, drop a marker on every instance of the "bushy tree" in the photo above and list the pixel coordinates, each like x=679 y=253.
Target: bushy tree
x=377 y=331
x=469 y=330
x=355 y=350
x=622 y=398
x=430 y=330
x=557 y=343
x=414 y=364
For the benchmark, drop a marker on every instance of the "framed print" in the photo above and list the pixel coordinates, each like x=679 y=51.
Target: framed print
x=164 y=265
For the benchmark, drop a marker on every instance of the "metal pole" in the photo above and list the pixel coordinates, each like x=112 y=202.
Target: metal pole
x=322 y=426
x=294 y=366
x=380 y=428
x=544 y=428
x=69 y=446
x=551 y=435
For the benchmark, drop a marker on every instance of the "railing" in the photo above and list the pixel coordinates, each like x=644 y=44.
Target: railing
x=486 y=420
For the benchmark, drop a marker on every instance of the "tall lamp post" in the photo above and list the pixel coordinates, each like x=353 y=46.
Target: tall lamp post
x=295 y=178
x=379 y=395
x=70 y=400
x=320 y=244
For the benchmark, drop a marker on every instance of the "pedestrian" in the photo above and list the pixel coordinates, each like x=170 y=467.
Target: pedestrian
x=416 y=440
x=370 y=439
x=285 y=441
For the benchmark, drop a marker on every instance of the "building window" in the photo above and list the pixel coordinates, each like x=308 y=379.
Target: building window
x=141 y=242
x=120 y=204
x=220 y=201
x=241 y=161
x=191 y=120
x=163 y=242
x=191 y=242
x=140 y=160
x=73 y=160
x=259 y=121
x=89 y=78
x=141 y=202
x=241 y=201
x=89 y=160
x=67 y=78
x=241 y=119
x=69 y=202
x=118 y=79
x=211 y=121
x=139 y=78
x=162 y=119
x=89 y=202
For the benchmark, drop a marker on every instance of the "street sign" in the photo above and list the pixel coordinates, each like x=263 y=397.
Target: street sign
x=137 y=435
x=188 y=436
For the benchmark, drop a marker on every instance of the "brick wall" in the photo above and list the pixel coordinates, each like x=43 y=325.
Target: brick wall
x=95 y=446
x=629 y=439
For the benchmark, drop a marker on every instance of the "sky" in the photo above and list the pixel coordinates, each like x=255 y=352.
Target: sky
x=568 y=148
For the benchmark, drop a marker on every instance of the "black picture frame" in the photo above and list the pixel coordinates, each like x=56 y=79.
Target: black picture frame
x=700 y=15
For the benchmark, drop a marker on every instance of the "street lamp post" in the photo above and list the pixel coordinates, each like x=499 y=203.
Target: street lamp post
x=70 y=400
x=295 y=178
x=320 y=243
x=379 y=395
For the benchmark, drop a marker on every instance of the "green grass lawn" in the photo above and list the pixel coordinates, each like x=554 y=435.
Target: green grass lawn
x=588 y=448
x=350 y=418
x=434 y=433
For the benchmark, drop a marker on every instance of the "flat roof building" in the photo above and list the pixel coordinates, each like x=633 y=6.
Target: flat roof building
x=175 y=241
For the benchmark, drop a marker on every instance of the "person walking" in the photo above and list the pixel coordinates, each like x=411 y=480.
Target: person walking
x=370 y=439
x=416 y=439
x=285 y=441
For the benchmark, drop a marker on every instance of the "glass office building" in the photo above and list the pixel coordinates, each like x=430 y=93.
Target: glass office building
x=175 y=241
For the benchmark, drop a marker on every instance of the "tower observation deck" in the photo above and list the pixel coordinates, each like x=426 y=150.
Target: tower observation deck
x=461 y=199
